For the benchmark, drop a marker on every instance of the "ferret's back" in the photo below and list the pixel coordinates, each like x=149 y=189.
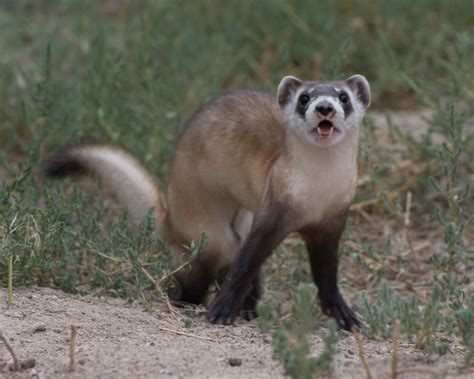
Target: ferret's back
x=241 y=121
x=229 y=145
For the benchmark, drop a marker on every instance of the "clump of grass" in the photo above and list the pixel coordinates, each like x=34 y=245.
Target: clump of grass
x=441 y=188
x=420 y=325
x=454 y=219
x=465 y=323
x=50 y=248
x=324 y=362
x=450 y=265
x=290 y=339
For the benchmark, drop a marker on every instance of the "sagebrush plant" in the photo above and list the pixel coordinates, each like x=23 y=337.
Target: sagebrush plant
x=66 y=245
x=419 y=325
x=453 y=265
x=449 y=177
x=290 y=338
x=130 y=73
x=455 y=194
x=465 y=323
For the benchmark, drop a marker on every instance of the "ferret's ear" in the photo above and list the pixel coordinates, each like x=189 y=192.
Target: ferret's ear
x=361 y=88
x=286 y=89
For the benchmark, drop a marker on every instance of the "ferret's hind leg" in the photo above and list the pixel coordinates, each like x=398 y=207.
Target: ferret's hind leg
x=242 y=224
x=216 y=256
x=196 y=279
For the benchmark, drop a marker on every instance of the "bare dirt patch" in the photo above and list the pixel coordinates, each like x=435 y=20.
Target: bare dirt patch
x=119 y=339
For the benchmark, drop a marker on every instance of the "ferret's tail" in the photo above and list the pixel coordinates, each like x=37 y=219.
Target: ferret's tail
x=127 y=178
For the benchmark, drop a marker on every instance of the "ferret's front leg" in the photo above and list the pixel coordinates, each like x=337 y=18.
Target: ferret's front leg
x=322 y=245
x=268 y=230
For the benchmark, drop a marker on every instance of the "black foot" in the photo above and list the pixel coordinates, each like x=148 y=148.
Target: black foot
x=223 y=310
x=334 y=305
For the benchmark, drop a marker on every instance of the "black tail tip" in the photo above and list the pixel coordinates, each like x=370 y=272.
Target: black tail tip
x=62 y=163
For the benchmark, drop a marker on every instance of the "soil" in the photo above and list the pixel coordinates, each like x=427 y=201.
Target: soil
x=118 y=339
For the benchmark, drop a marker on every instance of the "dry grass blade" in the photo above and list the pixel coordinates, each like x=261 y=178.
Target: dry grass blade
x=186 y=334
x=72 y=349
x=171 y=273
x=10 y=280
x=357 y=337
x=16 y=363
x=396 y=340
x=162 y=293
x=407 y=209
x=406 y=222
x=390 y=196
x=422 y=245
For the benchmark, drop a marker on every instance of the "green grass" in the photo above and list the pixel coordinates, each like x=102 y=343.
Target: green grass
x=130 y=73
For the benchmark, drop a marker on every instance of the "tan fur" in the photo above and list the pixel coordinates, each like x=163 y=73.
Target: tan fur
x=231 y=150
x=241 y=156
x=221 y=166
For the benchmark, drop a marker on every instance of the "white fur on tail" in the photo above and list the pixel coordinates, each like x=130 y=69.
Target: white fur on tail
x=127 y=178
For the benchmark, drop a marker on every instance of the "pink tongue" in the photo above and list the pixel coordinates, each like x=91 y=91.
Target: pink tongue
x=325 y=130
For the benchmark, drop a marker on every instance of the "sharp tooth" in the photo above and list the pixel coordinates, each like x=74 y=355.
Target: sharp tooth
x=319 y=130
x=331 y=130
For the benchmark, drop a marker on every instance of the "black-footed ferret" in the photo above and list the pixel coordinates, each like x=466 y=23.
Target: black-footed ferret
x=248 y=170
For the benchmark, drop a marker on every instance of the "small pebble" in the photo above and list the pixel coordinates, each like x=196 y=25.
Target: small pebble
x=235 y=361
x=28 y=363
x=81 y=361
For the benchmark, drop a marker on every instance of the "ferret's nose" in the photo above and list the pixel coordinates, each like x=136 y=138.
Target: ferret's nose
x=324 y=108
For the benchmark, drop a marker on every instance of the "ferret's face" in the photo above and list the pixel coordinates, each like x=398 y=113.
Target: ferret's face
x=324 y=112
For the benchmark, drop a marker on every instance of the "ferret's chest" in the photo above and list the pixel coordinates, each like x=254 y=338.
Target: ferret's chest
x=323 y=188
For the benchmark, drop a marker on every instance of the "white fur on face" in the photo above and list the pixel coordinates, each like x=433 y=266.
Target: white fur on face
x=311 y=111
x=313 y=118
x=358 y=113
x=295 y=120
x=306 y=127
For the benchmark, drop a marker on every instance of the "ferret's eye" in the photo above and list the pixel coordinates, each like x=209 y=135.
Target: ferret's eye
x=344 y=98
x=304 y=99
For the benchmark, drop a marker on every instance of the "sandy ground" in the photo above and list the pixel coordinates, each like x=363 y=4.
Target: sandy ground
x=119 y=340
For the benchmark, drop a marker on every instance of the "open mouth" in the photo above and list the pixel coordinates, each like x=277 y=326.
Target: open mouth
x=325 y=128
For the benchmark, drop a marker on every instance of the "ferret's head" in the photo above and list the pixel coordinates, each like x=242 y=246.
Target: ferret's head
x=324 y=112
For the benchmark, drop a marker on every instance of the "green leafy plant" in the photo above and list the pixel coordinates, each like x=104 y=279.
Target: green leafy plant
x=290 y=340
x=419 y=325
x=465 y=323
